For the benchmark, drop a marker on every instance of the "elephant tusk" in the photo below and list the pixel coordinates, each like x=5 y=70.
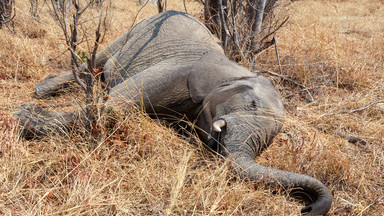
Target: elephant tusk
x=217 y=125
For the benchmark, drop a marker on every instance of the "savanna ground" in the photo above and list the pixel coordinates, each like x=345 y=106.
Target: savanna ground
x=334 y=48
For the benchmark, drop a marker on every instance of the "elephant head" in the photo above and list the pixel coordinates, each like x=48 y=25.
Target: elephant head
x=240 y=118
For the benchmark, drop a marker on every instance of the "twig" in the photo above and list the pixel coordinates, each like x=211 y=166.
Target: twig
x=273 y=32
x=185 y=6
x=78 y=80
x=287 y=79
x=362 y=108
x=73 y=41
x=277 y=54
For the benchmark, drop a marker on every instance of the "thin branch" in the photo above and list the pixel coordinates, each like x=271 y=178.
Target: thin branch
x=275 y=29
x=362 y=108
x=287 y=79
x=78 y=80
x=97 y=40
x=84 y=8
x=185 y=6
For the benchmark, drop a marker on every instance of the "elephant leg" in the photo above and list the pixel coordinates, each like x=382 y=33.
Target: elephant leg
x=53 y=83
x=36 y=122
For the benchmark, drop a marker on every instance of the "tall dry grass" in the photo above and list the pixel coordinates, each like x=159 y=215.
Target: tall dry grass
x=139 y=167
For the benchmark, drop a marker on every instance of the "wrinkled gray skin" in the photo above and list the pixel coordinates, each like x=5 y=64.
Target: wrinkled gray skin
x=171 y=65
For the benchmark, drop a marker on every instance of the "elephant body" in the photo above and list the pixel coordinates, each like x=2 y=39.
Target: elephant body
x=171 y=65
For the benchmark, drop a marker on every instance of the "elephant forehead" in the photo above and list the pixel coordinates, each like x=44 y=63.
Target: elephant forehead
x=267 y=94
x=227 y=93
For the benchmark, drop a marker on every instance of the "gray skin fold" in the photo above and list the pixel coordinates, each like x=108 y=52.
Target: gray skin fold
x=171 y=65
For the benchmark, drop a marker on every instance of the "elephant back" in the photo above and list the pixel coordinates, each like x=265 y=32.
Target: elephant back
x=170 y=37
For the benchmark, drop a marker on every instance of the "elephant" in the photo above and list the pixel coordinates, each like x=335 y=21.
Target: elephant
x=171 y=65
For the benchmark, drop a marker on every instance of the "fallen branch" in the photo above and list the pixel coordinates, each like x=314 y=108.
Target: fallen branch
x=351 y=139
x=362 y=108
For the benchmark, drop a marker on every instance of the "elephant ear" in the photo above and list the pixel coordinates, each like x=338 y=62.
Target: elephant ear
x=211 y=70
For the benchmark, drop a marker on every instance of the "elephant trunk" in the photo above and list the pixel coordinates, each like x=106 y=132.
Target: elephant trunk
x=316 y=195
x=258 y=133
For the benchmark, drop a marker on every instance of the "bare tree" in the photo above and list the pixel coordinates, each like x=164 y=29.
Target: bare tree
x=69 y=16
x=7 y=13
x=245 y=27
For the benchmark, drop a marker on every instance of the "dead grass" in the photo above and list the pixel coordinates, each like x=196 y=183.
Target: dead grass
x=335 y=48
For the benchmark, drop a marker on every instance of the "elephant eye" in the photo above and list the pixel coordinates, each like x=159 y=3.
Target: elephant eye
x=254 y=104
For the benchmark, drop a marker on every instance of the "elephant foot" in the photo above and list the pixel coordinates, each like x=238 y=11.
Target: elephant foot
x=35 y=122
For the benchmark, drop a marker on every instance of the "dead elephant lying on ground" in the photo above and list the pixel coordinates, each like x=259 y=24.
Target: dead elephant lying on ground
x=171 y=64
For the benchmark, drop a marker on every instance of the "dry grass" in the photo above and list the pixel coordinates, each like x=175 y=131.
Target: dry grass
x=335 y=48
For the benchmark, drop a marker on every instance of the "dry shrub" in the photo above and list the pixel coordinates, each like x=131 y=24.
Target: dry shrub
x=245 y=28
